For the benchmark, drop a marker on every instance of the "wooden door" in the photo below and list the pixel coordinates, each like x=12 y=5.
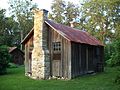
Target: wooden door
x=56 y=65
x=56 y=59
x=56 y=68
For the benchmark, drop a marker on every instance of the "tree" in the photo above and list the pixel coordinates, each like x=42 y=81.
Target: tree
x=21 y=11
x=8 y=29
x=101 y=18
x=64 y=12
x=114 y=59
x=57 y=8
x=4 y=59
x=2 y=26
x=71 y=12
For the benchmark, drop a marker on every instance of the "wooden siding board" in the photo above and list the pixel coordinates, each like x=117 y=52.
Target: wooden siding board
x=66 y=60
x=25 y=58
x=65 y=57
x=72 y=57
x=28 y=54
x=62 y=58
x=69 y=60
x=29 y=57
x=76 y=59
x=83 y=59
x=80 y=59
x=90 y=60
x=52 y=34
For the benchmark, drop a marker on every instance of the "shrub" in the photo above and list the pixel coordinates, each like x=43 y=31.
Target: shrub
x=115 y=56
x=114 y=60
x=4 y=59
x=109 y=49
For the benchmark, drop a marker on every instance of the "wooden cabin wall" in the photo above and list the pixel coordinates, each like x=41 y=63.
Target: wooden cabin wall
x=18 y=57
x=66 y=58
x=55 y=58
x=82 y=59
x=99 y=56
x=91 y=59
x=28 y=55
x=76 y=59
x=61 y=61
x=26 y=58
x=102 y=58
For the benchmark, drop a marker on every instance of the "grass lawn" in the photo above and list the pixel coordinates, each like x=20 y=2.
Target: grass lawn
x=15 y=80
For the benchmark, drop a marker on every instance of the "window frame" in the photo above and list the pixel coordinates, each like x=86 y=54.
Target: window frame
x=56 y=46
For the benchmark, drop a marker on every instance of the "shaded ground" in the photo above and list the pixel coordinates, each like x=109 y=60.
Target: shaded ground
x=15 y=80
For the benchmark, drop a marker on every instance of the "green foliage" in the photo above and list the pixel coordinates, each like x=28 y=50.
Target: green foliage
x=8 y=30
x=20 y=9
x=57 y=11
x=15 y=27
x=64 y=12
x=115 y=57
x=107 y=51
x=4 y=59
x=100 y=18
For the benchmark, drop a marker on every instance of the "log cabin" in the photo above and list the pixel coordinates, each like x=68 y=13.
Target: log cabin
x=17 y=55
x=56 y=50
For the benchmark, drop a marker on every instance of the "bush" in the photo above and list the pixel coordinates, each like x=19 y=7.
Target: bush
x=4 y=59
x=114 y=60
x=115 y=56
x=109 y=49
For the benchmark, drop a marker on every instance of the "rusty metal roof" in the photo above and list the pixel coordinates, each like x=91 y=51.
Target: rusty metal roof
x=71 y=34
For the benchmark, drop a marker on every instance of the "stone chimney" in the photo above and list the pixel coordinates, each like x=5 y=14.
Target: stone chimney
x=40 y=53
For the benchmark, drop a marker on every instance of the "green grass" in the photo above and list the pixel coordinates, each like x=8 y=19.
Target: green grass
x=15 y=80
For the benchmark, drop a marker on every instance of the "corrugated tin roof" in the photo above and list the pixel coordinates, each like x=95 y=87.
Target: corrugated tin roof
x=69 y=33
x=73 y=34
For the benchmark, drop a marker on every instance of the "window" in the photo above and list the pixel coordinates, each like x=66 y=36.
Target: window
x=57 y=46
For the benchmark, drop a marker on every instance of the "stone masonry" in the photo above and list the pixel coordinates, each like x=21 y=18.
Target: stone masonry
x=40 y=53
